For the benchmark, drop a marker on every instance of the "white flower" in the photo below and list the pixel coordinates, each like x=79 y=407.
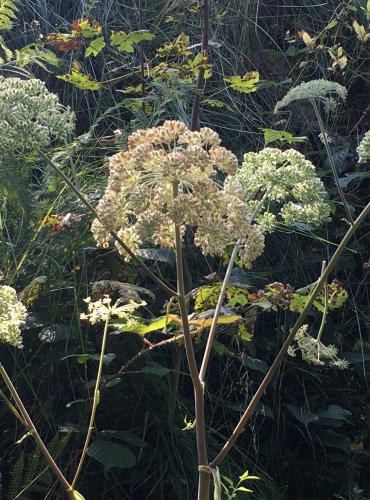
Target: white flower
x=12 y=316
x=363 y=149
x=103 y=310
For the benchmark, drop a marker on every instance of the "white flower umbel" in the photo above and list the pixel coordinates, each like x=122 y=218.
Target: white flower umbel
x=363 y=149
x=103 y=309
x=294 y=192
x=313 y=351
x=321 y=90
x=31 y=116
x=12 y=316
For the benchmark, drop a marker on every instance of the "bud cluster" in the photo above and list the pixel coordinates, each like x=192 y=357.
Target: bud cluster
x=30 y=115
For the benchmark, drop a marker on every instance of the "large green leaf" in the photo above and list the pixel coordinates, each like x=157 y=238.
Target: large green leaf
x=111 y=454
x=124 y=41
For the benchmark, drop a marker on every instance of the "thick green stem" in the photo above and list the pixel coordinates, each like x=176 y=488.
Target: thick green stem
x=114 y=235
x=279 y=358
x=94 y=404
x=204 y=483
x=27 y=421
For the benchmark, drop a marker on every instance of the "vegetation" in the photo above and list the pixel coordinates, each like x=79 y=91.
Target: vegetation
x=184 y=309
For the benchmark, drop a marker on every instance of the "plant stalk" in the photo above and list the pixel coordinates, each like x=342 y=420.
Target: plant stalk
x=28 y=423
x=330 y=158
x=279 y=358
x=200 y=78
x=198 y=387
x=94 y=404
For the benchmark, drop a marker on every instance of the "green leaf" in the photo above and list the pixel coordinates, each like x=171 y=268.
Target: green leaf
x=95 y=47
x=303 y=416
x=111 y=454
x=246 y=83
x=280 y=135
x=360 y=31
x=125 y=436
x=335 y=412
x=356 y=357
x=158 y=254
x=348 y=178
x=124 y=41
x=334 y=440
x=83 y=358
x=156 y=369
x=255 y=364
x=80 y=80
x=221 y=349
x=8 y=11
x=245 y=490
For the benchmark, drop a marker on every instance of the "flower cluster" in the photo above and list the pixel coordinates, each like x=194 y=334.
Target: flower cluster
x=12 y=316
x=31 y=116
x=288 y=179
x=168 y=177
x=103 y=309
x=313 y=351
x=363 y=149
x=321 y=90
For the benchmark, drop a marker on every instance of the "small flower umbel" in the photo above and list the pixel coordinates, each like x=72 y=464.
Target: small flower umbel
x=314 y=352
x=103 y=309
x=12 y=317
x=363 y=149
x=320 y=90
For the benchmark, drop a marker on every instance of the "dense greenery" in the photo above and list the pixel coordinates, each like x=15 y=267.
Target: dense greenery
x=286 y=87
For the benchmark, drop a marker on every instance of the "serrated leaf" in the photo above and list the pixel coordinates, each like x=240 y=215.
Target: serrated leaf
x=360 y=31
x=246 y=83
x=270 y=136
x=95 y=47
x=124 y=41
x=80 y=80
x=111 y=454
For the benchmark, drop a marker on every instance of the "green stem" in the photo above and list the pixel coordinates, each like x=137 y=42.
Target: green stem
x=29 y=425
x=330 y=158
x=221 y=297
x=94 y=404
x=88 y=205
x=279 y=358
x=325 y=313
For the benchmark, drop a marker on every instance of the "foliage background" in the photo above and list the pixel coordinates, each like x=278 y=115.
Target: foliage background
x=310 y=438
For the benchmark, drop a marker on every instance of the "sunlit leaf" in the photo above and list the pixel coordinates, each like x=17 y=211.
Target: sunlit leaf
x=80 y=80
x=360 y=31
x=281 y=136
x=124 y=42
x=307 y=39
x=85 y=28
x=95 y=47
x=246 y=83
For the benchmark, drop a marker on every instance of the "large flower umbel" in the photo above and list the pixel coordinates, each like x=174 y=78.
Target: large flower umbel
x=168 y=177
